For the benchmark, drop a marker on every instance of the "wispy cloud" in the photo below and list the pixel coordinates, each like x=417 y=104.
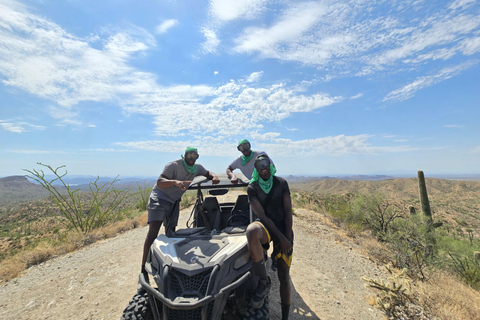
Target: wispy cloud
x=38 y=151
x=453 y=126
x=211 y=40
x=357 y=96
x=19 y=126
x=364 y=37
x=166 y=25
x=333 y=145
x=44 y=60
x=229 y=10
x=409 y=90
x=254 y=77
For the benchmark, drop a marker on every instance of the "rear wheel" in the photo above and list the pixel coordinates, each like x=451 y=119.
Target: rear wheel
x=138 y=308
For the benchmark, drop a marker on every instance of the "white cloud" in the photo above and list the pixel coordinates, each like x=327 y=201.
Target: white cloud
x=211 y=41
x=254 y=76
x=453 y=126
x=19 y=127
x=166 y=25
x=266 y=136
x=8 y=126
x=476 y=150
x=357 y=96
x=38 y=151
x=363 y=37
x=334 y=146
x=39 y=57
x=423 y=82
x=461 y=4
x=215 y=72
x=228 y=10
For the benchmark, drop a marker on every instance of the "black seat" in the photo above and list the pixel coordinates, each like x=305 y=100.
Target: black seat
x=240 y=213
x=212 y=208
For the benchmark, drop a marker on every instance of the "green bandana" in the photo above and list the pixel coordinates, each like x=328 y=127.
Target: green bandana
x=245 y=159
x=190 y=169
x=267 y=185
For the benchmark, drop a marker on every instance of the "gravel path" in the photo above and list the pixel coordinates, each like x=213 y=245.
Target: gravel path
x=97 y=282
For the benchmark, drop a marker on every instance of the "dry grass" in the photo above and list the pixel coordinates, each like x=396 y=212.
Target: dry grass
x=448 y=298
x=12 y=267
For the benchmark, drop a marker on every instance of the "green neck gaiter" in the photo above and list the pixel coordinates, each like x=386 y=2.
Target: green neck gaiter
x=265 y=185
x=190 y=169
x=246 y=159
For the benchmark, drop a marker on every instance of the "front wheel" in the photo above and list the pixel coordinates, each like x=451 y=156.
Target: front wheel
x=262 y=313
x=138 y=308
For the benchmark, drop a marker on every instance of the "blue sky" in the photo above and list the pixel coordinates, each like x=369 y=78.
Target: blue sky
x=324 y=87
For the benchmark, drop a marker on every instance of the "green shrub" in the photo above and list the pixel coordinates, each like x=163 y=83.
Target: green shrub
x=468 y=270
x=413 y=244
x=143 y=195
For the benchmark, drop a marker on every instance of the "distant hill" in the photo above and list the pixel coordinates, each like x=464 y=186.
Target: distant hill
x=15 y=189
x=298 y=179
x=402 y=188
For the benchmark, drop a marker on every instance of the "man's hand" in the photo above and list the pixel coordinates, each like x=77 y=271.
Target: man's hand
x=182 y=184
x=215 y=180
x=285 y=245
x=234 y=179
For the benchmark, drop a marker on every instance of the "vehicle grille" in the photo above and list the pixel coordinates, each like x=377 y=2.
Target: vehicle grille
x=193 y=314
x=182 y=285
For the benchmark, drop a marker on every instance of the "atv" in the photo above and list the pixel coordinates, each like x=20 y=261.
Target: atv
x=201 y=272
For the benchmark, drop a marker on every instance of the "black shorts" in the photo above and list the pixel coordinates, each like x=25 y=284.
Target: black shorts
x=276 y=246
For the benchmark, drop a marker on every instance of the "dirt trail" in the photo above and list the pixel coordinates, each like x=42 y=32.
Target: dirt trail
x=97 y=282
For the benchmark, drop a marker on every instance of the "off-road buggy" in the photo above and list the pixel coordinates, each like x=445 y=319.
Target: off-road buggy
x=201 y=272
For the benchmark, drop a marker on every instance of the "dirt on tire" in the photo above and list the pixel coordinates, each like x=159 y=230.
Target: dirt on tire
x=98 y=281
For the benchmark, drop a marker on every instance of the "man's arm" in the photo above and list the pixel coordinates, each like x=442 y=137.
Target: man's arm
x=212 y=176
x=163 y=182
x=284 y=242
x=231 y=175
x=287 y=207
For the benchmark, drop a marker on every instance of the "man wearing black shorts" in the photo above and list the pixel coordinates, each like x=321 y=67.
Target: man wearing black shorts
x=269 y=197
x=163 y=204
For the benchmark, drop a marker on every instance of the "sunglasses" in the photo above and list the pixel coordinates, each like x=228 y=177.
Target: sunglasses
x=191 y=155
x=262 y=164
x=244 y=147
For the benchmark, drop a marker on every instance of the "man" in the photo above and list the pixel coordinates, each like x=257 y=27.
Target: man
x=269 y=198
x=244 y=162
x=163 y=204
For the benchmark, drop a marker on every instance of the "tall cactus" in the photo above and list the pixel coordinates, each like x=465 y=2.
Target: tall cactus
x=423 y=195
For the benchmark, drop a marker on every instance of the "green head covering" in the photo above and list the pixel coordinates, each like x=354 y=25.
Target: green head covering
x=242 y=142
x=265 y=185
x=191 y=149
x=193 y=168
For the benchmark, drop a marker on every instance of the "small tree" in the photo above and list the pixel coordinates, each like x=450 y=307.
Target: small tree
x=378 y=213
x=81 y=216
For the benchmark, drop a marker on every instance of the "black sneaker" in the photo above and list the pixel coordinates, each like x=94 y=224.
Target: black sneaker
x=260 y=293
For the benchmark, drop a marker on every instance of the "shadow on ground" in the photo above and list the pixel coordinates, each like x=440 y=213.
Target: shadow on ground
x=298 y=308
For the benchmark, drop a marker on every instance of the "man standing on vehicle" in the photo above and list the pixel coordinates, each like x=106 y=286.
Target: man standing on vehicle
x=269 y=198
x=244 y=162
x=164 y=201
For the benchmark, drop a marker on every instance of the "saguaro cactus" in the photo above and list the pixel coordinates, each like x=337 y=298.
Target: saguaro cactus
x=423 y=195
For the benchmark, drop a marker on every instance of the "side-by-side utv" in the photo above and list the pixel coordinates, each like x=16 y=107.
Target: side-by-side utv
x=201 y=272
